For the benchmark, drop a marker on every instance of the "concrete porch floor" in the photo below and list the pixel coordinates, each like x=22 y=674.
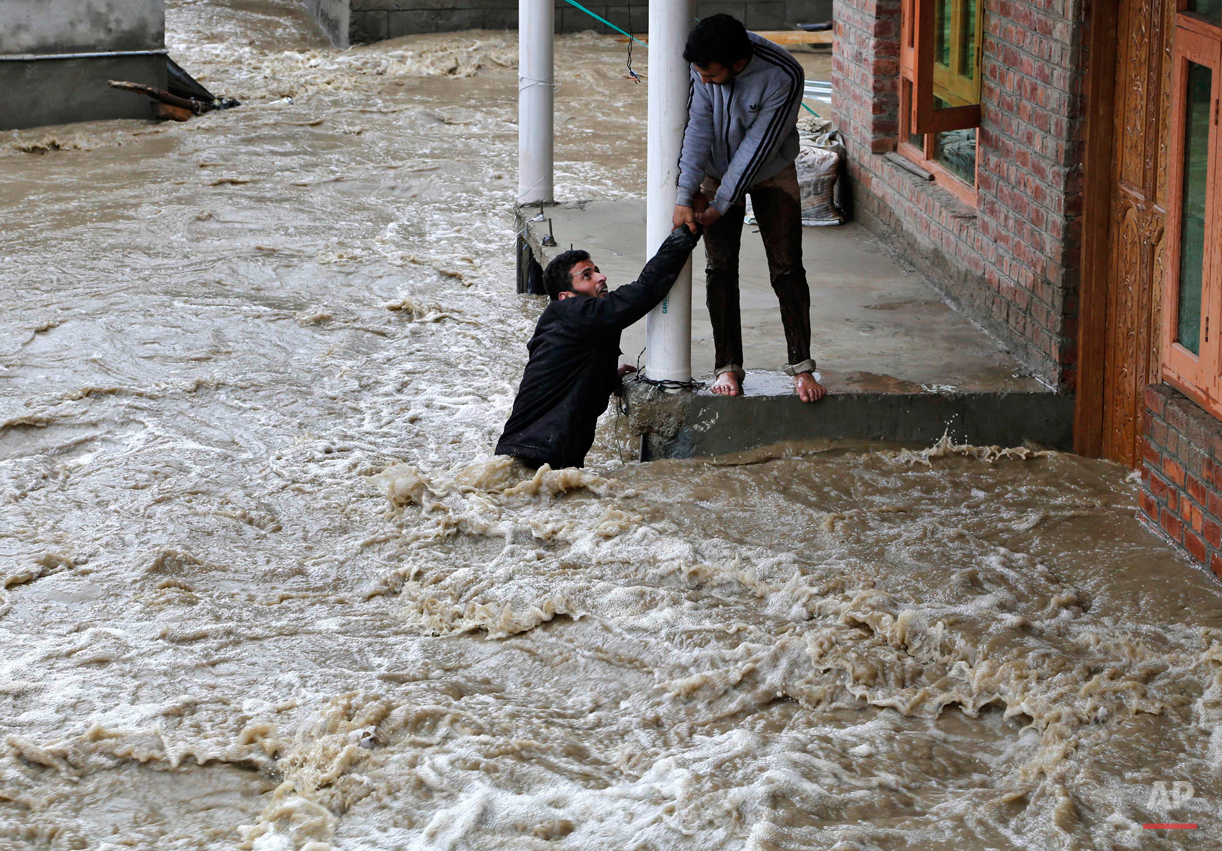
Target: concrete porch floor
x=898 y=361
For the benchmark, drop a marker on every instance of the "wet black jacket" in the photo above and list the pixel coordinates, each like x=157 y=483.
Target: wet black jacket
x=574 y=360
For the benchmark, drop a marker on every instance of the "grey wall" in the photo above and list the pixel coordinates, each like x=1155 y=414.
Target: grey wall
x=81 y=26
x=63 y=91
x=334 y=17
x=38 y=86
x=374 y=20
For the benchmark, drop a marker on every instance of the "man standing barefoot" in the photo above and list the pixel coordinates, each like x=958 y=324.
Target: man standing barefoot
x=742 y=138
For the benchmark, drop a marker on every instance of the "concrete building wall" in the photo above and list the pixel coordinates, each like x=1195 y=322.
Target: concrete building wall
x=1011 y=262
x=1181 y=472
x=334 y=17
x=375 y=20
x=56 y=56
x=65 y=91
x=81 y=26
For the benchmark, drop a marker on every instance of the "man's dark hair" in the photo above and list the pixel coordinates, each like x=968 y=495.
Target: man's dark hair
x=717 y=38
x=557 y=277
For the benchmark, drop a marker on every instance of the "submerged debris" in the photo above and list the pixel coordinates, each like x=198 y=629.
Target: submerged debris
x=184 y=99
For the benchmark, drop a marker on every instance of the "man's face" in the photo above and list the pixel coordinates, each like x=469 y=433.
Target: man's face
x=718 y=74
x=587 y=280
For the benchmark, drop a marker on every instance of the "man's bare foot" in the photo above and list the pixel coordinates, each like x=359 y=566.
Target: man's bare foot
x=807 y=389
x=727 y=385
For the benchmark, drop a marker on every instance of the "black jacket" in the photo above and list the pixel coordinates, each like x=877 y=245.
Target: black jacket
x=574 y=360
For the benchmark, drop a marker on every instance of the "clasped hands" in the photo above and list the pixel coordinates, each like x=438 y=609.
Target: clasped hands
x=699 y=213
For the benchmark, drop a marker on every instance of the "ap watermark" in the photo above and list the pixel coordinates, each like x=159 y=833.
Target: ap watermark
x=1166 y=796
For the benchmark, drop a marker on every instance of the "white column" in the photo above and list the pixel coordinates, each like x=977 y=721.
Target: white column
x=668 y=329
x=536 y=30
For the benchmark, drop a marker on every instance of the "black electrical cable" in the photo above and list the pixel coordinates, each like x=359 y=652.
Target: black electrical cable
x=631 y=38
x=665 y=384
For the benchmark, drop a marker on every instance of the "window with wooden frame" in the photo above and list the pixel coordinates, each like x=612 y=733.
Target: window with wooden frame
x=940 y=50
x=1192 y=288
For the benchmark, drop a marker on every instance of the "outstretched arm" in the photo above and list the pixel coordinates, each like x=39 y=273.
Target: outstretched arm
x=624 y=306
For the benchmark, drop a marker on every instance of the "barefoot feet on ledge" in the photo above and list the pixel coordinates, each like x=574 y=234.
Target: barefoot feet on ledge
x=727 y=384
x=806 y=388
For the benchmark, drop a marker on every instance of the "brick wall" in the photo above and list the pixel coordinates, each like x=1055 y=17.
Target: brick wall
x=865 y=76
x=374 y=20
x=1010 y=262
x=1181 y=474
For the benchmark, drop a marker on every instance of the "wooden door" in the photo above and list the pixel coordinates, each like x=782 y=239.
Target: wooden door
x=1137 y=227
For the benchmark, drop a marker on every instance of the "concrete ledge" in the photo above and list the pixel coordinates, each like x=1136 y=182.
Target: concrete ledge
x=51 y=90
x=900 y=365
x=687 y=425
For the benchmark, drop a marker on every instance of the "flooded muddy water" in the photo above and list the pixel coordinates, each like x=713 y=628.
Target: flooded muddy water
x=264 y=587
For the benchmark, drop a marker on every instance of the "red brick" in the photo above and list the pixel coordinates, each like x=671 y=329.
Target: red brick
x=1191 y=458
x=1191 y=512
x=1195 y=547
x=1149 y=507
x=1195 y=489
x=1215 y=504
x=1158 y=489
x=1173 y=471
x=1173 y=501
x=1149 y=452
x=1213 y=534
x=1157 y=432
x=1215 y=564
x=1155 y=400
x=1173 y=526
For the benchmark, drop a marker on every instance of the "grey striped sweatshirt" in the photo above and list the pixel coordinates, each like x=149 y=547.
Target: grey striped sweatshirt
x=745 y=131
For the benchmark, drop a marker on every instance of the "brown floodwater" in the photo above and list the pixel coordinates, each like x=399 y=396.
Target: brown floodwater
x=263 y=586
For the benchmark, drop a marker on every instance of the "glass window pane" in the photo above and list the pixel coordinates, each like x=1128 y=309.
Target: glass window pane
x=956 y=71
x=1192 y=221
x=956 y=152
x=942 y=13
x=967 y=40
x=1210 y=10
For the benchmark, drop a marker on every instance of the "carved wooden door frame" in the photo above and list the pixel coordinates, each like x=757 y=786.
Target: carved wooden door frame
x=1123 y=236
x=1096 y=226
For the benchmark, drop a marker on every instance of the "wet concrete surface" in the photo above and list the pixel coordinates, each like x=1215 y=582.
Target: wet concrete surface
x=900 y=363
x=875 y=326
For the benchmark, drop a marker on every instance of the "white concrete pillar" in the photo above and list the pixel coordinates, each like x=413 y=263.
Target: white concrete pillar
x=536 y=123
x=668 y=329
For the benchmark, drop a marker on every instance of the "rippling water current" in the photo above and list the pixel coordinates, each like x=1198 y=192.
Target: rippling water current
x=263 y=586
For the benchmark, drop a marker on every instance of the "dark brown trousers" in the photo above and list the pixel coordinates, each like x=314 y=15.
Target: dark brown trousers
x=778 y=209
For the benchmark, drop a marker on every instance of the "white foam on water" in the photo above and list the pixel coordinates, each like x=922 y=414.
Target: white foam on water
x=263 y=584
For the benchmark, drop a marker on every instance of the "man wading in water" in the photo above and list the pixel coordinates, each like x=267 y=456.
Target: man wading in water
x=742 y=137
x=574 y=353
